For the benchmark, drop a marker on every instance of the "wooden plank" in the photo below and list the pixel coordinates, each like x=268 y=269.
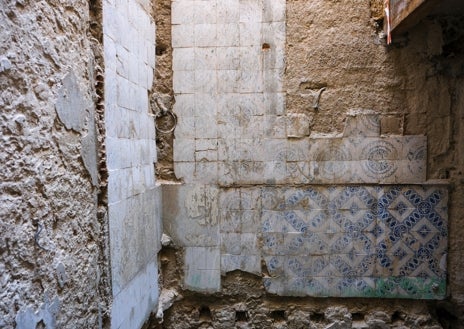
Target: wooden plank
x=407 y=13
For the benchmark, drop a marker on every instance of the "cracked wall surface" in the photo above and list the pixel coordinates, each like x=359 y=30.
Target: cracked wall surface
x=54 y=269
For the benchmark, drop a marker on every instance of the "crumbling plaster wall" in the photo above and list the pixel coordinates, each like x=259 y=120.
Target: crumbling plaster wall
x=133 y=196
x=415 y=85
x=53 y=269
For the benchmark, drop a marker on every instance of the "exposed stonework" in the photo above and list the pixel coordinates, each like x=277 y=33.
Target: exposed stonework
x=162 y=97
x=52 y=245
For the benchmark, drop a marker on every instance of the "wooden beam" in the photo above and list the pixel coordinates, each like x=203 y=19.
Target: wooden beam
x=407 y=13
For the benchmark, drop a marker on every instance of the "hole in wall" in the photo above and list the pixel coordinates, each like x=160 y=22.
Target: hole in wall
x=40 y=325
x=266 y=46
x=278 y=315
x=204 y=313
x=446 y=319
x=357 y=316
x=160 y=50
x=317 y=317
x=396 y=316
x=241 y=316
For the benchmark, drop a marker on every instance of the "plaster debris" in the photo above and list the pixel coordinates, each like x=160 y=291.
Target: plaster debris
x=166 y=299
x=5 y=64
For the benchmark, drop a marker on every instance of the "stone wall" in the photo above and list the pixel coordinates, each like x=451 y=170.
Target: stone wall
x=271 y=98
x=133 y=197
x=54 y=269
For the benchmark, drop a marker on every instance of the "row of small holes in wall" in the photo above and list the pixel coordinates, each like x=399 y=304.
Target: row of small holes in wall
x=240 y=316
x=279 y=315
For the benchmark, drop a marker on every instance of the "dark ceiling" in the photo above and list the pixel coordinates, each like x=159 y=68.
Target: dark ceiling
x=448 y=7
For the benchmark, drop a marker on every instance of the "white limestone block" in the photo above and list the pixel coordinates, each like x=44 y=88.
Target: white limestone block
x=182 y=12
x=184 y=105
x=205 y=35
x=205 y=81
x=274 y=10
x=251 y=81
x=206 y=172
x=184 y=82
x=228 y=11
x=228 y=35
x=228 y=81
x=185 y=171
x=183 y=59
x=205 y=105
x=205 y=12
x=183 y=36
x=185 y=127
x=251 y=11
x=205 y=58
x=228 y=58
x=274 y=103
x=184 y=150
x=250 y=34
x=251 y=58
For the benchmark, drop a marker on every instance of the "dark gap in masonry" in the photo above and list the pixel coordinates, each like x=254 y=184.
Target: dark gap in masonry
x=278 y=315
x=204 y=313
x=241 y=316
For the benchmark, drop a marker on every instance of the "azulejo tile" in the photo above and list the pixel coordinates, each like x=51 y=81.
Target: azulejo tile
x=359 y=241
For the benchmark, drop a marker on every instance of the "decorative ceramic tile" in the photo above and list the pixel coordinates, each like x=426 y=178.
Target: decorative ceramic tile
x=367 y=236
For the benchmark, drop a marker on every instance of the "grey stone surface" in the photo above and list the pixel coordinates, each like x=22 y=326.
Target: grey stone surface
x=28 y=318
x=89 y=149
x=71 y=106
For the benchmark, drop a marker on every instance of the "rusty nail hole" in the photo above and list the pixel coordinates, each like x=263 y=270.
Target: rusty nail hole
x=266 y=46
